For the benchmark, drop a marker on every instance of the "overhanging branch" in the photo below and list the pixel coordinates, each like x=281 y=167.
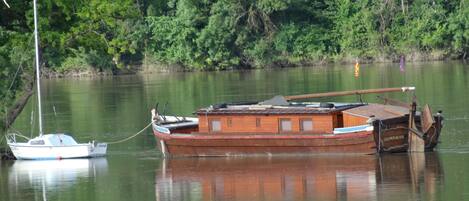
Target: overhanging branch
x=16 y=109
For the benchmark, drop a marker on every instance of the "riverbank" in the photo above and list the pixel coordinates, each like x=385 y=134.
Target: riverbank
x=157 y=67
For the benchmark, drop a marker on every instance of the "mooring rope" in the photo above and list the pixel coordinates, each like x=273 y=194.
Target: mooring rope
x=113 y=142
x=134 y=135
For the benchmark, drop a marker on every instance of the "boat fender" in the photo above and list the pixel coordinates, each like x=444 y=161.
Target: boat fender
x=326 y=105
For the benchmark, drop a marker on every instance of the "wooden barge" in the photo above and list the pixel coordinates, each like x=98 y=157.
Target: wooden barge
x=281 y=126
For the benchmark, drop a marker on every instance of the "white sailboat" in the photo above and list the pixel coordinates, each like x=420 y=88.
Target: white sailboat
x=51 y=146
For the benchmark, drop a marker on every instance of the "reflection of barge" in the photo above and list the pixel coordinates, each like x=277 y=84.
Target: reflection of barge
x=280 y=126
x=321 y=177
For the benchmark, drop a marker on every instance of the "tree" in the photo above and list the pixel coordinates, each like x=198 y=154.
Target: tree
x=16 y=55
x=459 y=26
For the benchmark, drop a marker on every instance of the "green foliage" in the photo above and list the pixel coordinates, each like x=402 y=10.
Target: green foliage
x=312 y=43
x=459 y=27
x=15 y=63
x=221 y=34
x=225 y=34
x=427 y=25
x=73 y=64
x=260 y=53
x=356 y=29
x=171 y=40
x=107 y=27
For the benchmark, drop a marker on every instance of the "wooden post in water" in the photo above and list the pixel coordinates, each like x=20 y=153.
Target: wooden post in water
x=346 y=93
x=416 y=142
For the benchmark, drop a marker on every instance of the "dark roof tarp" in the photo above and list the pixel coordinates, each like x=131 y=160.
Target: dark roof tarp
x=276 y=100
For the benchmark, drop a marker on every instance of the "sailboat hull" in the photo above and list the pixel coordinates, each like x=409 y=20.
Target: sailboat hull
x=29 y=152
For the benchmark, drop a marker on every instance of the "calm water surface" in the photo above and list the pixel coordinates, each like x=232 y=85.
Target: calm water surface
x=109 y=109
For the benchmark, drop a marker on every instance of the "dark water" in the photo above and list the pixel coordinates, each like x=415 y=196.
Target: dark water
x=109 y=109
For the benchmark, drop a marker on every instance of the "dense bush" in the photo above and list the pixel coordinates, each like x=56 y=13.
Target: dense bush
x=221 y=34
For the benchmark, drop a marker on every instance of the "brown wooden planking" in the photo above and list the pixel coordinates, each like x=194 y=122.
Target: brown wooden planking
x=322 y=123
x=221 y=145
x=184 y=150
x=427 y=118
x=394 y=139
x=257 y=141
x=352 y=120
x=379 y=111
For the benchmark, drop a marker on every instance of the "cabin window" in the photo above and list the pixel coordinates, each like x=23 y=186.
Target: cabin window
x=37 y=142
x=258 y=122
x=285 y=125
x=229 y=122
x=306 y=125
x=215 y=125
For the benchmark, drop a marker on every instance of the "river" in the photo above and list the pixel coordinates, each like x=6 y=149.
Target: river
x=112 y=108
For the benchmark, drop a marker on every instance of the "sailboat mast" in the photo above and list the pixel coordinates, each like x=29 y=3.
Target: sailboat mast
x=38 y=72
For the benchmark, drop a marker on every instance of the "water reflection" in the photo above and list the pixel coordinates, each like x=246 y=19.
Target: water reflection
x=366 y=177
x=36 y=178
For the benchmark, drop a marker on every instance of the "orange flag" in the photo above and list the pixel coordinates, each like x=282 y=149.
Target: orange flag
x=357 y=69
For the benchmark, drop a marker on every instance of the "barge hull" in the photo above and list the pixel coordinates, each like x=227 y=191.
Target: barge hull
x=238 y=145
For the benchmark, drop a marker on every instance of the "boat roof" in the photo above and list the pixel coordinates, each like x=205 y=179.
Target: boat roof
x=53 y=140
x=292 y=108
x=379 y=111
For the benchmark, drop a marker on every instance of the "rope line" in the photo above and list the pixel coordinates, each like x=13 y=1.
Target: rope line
x=20 y=67
x=134 y=135
x=114 y=142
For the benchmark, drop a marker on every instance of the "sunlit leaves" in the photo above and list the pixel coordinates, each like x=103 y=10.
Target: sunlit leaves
x=459 y=26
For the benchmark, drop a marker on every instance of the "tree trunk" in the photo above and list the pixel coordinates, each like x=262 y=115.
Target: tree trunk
x=403 y=7
x=16 y=109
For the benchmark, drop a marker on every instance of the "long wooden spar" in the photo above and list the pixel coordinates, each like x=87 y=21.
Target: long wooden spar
x=346 y=93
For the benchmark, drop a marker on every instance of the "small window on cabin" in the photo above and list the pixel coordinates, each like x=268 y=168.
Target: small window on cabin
x=37 y=142
x=258 y=122
x=229 y=122
x=215 y=125
x=306 y=125
x=285 y=125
